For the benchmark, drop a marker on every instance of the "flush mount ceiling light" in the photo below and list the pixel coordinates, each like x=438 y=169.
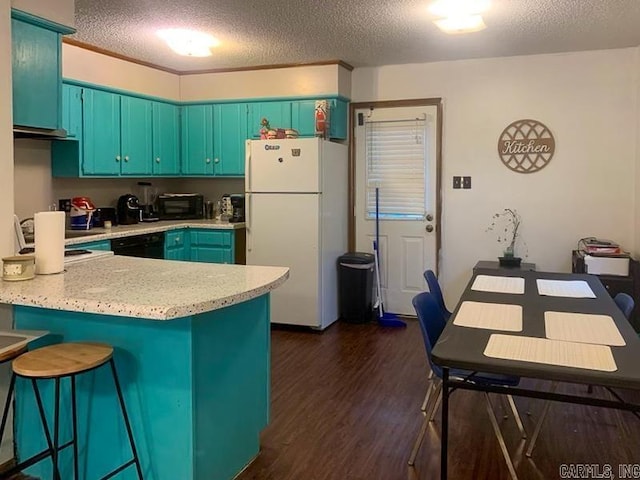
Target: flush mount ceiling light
x=460 y=16
x=189 y=42
x=461 y=24
x=459 y=8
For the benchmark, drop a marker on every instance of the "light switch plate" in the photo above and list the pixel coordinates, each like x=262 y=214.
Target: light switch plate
x=457 y=182
x=466 y=183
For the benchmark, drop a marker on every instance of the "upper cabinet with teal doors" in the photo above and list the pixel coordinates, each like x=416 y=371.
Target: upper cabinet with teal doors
x=119 y=135
x=36 y=70
x=166 y=139
x=213 y=139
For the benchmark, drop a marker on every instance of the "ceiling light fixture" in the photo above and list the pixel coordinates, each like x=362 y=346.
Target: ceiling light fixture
x=461 y=24
x=459 y=8
x=189 y=42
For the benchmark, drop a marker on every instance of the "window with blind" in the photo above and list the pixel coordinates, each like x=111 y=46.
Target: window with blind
x=396 y=165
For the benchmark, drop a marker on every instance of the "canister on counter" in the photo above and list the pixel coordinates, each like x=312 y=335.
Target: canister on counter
x=19 y=267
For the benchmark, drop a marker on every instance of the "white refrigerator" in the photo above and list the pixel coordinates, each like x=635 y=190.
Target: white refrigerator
x=296 y=216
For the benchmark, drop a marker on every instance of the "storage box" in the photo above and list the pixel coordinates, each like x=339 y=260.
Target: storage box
x=606 y=265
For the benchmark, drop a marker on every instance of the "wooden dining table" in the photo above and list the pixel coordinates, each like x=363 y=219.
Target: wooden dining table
x=567 y=334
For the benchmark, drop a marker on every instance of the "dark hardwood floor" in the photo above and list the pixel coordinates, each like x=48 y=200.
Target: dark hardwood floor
x=346 y=406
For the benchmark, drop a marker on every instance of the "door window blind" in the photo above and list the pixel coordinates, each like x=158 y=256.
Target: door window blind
x=396 y=164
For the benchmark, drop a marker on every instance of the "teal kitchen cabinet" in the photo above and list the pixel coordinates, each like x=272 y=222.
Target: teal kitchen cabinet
x=72 y=111
x=113 y=135
x=166 y=139
x=339 y=120
x=97 y=245
x=212 y=246
x=135 y=136
x=213 y=139
x=197 y=140
x=277 y=113
x=36 y=54
x=229 y=138
x=176 y=245
x=101 y=130
x=303 y=118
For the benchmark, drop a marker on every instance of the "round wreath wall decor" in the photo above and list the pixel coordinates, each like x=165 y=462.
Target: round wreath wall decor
x=526 y=146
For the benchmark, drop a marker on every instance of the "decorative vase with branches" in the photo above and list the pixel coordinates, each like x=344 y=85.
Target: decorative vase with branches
x=507 y=225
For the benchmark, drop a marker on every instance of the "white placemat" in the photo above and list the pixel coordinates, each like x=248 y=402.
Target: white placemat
x=551 y=352
x=565 y=288
x=491 y=316
x=496 y=284
x=582 y=328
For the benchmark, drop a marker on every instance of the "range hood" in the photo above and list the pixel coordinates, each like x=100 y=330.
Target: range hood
x=38 y=133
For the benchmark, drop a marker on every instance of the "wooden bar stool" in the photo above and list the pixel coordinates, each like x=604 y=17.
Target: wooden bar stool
x=68 y=360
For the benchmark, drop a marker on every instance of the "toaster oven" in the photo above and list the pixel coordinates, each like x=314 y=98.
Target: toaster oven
x=180 y=206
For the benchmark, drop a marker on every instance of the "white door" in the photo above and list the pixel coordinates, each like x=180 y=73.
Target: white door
x=283 y=165
x=283 y=231
x=396 y=152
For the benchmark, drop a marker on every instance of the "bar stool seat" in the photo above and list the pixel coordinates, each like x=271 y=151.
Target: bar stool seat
x=62 y=360
x=55 y=362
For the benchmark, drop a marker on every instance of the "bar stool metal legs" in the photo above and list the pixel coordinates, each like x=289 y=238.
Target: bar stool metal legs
x=59 y=361
x=123 y=409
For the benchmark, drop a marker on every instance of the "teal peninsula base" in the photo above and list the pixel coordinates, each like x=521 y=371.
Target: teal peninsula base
x=196 y=390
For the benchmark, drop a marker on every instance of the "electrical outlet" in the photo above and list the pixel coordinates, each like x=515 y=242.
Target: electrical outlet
x=64 y=205
x=457 y=182
x=466 y=183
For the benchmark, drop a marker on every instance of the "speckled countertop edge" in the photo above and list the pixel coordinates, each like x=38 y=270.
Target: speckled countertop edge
x=68 y=291
x=121 y=231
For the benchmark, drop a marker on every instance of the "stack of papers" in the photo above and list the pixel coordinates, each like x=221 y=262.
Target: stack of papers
x=565 y=288
x=551 y=352
x=496 y=284
x=491 y=316
x=582 y=328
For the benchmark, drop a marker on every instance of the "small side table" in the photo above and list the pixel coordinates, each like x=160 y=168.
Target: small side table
x=496 y=266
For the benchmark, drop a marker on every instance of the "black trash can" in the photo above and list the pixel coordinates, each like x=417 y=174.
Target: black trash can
x=355 y=287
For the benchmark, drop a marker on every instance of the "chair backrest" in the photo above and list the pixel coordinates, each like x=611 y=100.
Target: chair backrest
x=434 y=288
x=432 y=322
x=625 y=303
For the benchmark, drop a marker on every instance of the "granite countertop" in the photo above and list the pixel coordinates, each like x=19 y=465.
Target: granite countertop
x=97 y=234
x=144 y=287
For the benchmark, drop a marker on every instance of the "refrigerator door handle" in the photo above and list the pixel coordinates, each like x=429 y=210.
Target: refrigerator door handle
x=247 y=166
x=247 y=217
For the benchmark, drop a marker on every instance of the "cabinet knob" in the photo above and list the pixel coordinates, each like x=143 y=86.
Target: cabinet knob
x=208 y=160
x=117 y=158
x=177 y=239
x=126 y=158
x=158 y=160
x=217 y=160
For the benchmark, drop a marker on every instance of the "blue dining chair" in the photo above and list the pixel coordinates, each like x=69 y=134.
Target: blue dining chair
x=432 y=323
x=434 y=288
x=625 y=303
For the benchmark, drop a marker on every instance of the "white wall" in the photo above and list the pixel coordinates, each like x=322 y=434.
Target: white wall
x=92 y=67
x=277 y=82
x=60 y=11
x=586 y=99
x=6 y=187
x=637 y=170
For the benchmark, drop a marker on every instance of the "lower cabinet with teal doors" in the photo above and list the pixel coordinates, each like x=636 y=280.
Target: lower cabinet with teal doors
x=176 y=245
x=212 y=246
x=202 y=245
x=97 y=245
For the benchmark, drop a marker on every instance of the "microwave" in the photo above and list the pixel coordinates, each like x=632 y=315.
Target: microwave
x=180 y=206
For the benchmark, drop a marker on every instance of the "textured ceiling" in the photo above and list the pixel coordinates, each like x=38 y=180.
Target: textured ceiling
x=359 y=32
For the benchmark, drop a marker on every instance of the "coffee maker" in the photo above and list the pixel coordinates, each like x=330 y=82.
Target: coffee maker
x=237 y=208
x=128 y=209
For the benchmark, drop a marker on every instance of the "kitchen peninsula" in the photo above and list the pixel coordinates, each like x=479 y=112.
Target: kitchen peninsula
x=192 y=348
